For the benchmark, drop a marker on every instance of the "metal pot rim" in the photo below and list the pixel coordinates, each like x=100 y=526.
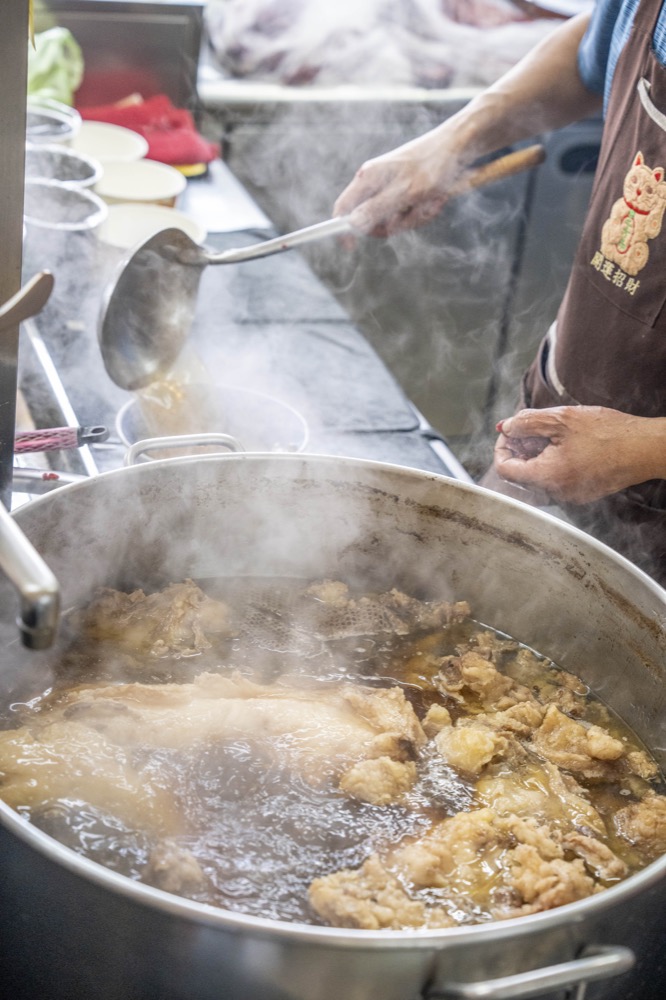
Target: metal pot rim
x=370 y=465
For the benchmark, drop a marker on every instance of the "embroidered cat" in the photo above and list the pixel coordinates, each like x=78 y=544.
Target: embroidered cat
x=635 y=218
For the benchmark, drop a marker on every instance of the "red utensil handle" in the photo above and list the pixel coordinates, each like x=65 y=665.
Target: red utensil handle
x=47 y=440
x=55 y=438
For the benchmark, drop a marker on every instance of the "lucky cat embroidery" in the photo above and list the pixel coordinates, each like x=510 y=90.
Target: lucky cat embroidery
x=635 y=218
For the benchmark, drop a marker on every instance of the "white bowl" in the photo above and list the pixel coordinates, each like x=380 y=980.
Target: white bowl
x=51 y=121
x=140 y=181
x=128 y=225
x=109 y=143
x=49 y=205
x=54 y=162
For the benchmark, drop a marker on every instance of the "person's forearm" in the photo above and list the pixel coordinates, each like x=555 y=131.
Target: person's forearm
x=543 y=91
x=408 y=186
x=650 y=449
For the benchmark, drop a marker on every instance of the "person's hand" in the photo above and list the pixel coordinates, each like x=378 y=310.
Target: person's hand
x=578 y=454
x=402 y=189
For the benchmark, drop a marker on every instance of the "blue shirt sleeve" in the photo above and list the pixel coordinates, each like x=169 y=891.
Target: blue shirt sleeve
x=595 y=49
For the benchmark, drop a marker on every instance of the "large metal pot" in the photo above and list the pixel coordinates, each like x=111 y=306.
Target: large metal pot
x=72 y=929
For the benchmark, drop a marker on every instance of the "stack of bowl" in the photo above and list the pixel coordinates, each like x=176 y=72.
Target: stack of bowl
x=59 y=180
x=113 y=188
x=141 y=194
x=50 y=121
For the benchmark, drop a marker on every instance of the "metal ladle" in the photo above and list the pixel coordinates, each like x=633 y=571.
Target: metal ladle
x=147 y=312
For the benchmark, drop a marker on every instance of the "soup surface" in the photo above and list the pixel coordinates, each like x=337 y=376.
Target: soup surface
x=299 y=751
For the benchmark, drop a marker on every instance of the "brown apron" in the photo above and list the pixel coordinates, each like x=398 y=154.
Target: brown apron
x=608 y=345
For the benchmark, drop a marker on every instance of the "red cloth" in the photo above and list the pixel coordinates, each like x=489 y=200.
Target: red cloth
x=170 y=132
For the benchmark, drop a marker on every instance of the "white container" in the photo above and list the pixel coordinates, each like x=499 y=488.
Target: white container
x=109 y=143
x=128 y=225
x=141 y=181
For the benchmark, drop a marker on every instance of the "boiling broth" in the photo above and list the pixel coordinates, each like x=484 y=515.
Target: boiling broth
x=259 y=830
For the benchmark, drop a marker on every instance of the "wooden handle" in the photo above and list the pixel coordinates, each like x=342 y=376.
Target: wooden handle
x=497 y=170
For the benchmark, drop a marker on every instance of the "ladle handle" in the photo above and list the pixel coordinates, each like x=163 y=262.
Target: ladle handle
x=498 y=169
x=320 y=231
x=488 y=173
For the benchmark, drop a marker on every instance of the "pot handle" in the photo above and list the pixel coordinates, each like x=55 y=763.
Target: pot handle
x=226 y=441
x=598 y=962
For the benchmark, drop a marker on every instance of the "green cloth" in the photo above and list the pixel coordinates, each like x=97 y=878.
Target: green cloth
x=55 y=66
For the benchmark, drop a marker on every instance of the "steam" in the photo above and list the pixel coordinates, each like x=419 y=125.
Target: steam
x=429 y=301
x=445 y=285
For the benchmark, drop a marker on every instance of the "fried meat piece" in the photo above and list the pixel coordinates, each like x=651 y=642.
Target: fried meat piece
x=70 y=760
x=87 y=747
x=338 y=615
x=371 y=898
x=469 y=747
x=519 y=720
x=553 y=686
x=598 y=857
x=452 y=852
x=585 y=750
x=472 y=674
x=174 y=869
x=176 y=620
x=506 y=865
x=541 y=790
x=640 y=763
x=386 y=710
x=643 y=824
x=539 y=883
x=311 y=728
x=380 y=782
x=436 y=718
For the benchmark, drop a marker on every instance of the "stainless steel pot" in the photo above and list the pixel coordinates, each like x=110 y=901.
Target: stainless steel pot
x=71 y=928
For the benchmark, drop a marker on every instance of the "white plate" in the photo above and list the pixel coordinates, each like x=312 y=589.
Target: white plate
x=109 y=143
x=128 y=225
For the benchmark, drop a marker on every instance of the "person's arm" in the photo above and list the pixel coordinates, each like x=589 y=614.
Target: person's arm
x=408 y=186
x=588 y=451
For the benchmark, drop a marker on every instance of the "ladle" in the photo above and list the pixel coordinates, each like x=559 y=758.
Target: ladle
x=148 y=310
